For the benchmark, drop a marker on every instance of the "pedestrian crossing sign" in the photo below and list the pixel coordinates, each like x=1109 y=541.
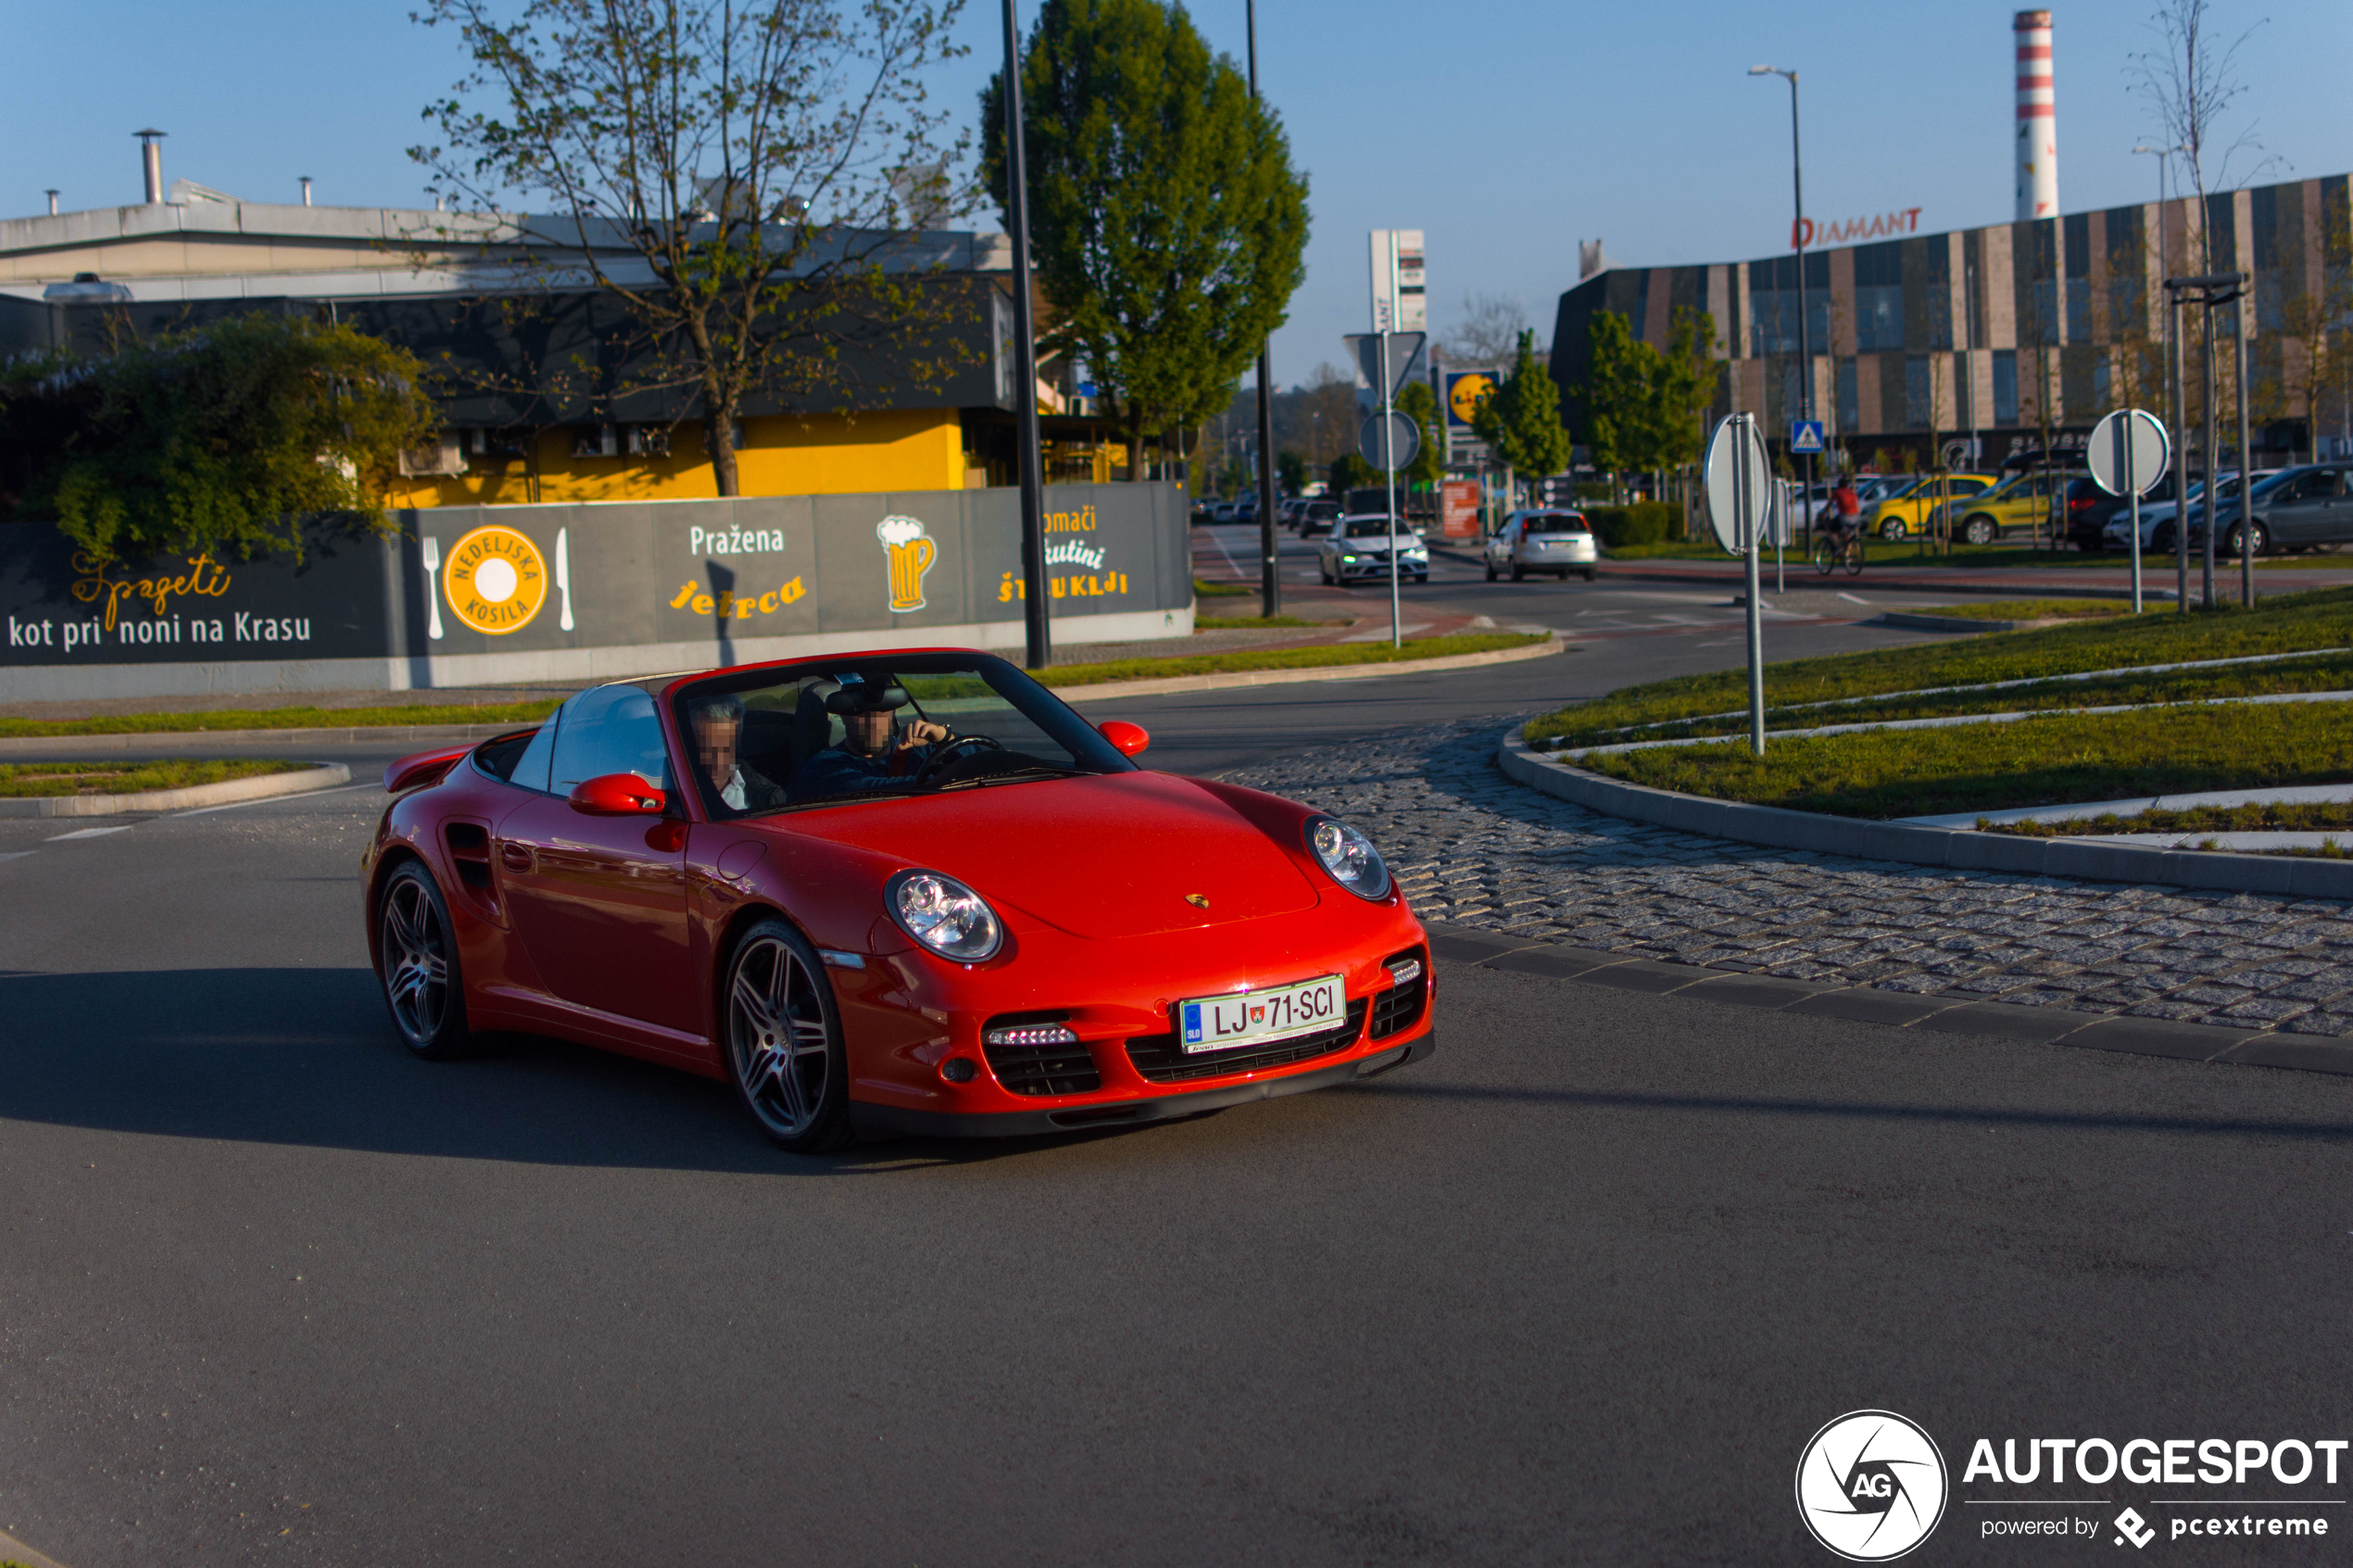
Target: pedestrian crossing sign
x=1806 y=435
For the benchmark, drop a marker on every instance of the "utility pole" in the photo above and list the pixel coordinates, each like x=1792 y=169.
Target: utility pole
x=1270 y=585
x=1797 y=239
x=1040 y=651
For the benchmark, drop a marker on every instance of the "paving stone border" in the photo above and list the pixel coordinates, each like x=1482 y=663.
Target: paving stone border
x=261 y=786
x=1474 y=849
x=2034 y=1025
x=1963 y=848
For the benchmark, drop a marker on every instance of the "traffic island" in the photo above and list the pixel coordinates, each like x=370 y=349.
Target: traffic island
x=107 y=789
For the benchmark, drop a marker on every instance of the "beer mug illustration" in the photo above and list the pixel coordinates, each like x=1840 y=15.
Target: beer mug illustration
x=910 y=552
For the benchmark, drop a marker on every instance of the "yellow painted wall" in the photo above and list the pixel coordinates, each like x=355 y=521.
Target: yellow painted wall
x=819 y=455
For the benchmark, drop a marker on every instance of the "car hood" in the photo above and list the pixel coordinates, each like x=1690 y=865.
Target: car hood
x=1111 y=856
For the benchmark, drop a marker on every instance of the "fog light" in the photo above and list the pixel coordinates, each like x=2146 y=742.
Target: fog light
x=959 y=1069
x=1403 y=971
x=1032 y=1034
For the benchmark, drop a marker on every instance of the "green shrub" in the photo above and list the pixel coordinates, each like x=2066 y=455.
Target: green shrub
x=1644 y=522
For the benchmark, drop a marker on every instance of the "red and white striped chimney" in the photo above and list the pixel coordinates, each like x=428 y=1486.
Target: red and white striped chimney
x=2037 y=124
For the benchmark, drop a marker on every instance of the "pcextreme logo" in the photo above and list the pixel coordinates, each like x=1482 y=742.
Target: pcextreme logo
x=1871 y=1485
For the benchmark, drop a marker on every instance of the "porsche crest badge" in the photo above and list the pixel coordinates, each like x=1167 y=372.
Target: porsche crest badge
x=1198 y=900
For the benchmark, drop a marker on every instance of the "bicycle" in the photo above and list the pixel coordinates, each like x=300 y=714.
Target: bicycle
x=1832 y=550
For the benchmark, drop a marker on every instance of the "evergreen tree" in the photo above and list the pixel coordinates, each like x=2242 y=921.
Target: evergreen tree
x=1418 y=403
x=1521 y=418
x=1166 y=220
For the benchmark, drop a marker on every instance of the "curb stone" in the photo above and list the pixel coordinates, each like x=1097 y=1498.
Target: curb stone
x=1959 y=848
x=355 y=735
x=13 y=1551
x=2005 y=1021
x=263 y=786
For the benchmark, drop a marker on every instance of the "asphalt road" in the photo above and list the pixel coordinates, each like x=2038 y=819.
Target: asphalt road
x=1577 y=1289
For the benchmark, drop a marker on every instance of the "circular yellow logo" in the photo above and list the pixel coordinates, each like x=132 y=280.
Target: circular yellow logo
x=1464 y=396
x=495 y=581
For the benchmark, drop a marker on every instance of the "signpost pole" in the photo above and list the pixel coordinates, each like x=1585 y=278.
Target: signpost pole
x=2125 y=466
x=1748 y=508
x=2181 y=460
x=1781 y=525
x=1389 y=442
x=2246 y=469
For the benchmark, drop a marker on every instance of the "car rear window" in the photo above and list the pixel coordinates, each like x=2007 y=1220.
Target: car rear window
x=1558 y=522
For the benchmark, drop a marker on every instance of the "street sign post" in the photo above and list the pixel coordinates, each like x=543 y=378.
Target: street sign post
x=1405 y=352
x=2128 y=455
x=1389 y=441
x=1806 y=435
x=1738 y=483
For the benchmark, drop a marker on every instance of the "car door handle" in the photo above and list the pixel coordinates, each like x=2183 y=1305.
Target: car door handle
x=514 y=857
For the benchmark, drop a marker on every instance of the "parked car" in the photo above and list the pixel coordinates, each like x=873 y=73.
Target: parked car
x=2102 y=525
x=1359 y=546
x=2291 y=509
x=2023 y=503
x=2156 y=522
x=1551 y=541
x=1905 y=513
x=1317 y=517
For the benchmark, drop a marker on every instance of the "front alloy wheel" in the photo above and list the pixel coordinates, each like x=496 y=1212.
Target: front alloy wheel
x=784 y=1041
x=2255 y=536
x=417 y=959
x=1977 y=530
x=1892 y=529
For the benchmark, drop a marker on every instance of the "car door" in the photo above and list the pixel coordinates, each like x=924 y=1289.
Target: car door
x=2302 y=510
x=600 y=902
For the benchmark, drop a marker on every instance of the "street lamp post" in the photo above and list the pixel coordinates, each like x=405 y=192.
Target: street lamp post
x=1270 y=588
x=1038 y=650
x=1797 y=241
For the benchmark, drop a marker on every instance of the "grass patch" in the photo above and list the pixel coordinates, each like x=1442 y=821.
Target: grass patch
x=517 y=713
x=1280 y=659
x=2319 y=816
x=2027 y=609
x=2056 y=759
x=2288 y=624
x=1205 y=589
x=1253 y=623
x=22 y=779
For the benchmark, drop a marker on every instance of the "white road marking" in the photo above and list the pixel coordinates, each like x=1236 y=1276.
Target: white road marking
x=268 y=799
x=18 y=854
x=90 y=832
x=1853 y=600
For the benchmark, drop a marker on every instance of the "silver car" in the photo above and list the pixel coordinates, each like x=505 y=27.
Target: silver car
x=1359 y=546
x=1541 y=541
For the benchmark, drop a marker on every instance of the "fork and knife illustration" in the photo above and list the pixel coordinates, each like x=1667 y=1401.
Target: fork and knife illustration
x=429 y=552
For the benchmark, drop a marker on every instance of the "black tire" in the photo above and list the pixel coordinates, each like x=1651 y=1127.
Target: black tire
x=1421 y=577
x=1491 y=572
x=1978 y=529
x=1591 y=573
x=2257 y=535
x=781 y=1034
x=417 y=966
x=1519 y=573
x=1824 y=557
x=1855 y=556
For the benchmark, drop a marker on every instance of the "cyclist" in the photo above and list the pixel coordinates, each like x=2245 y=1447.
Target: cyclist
x=1840 y=536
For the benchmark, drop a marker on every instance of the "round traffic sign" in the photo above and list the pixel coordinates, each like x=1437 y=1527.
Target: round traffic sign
x=1379 y=437
x=1737 y=506
x=2128 y=452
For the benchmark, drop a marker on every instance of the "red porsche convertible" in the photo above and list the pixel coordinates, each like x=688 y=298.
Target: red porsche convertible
x=911 y=891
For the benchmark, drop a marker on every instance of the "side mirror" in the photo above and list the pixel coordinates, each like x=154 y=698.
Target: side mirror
x=617 y=795
x=1129 y=738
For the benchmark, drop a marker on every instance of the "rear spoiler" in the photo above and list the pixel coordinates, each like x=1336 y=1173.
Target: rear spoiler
x=425 y=768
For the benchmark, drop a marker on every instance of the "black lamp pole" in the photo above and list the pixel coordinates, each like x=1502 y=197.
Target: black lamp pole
x=1040 y=646
x=1270 y=585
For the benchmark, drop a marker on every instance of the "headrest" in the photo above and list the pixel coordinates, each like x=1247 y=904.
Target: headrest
x=865 y=698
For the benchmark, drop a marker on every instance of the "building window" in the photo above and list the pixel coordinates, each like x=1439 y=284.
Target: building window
x=1917 y=409
x=2103 y=382
x=2006 y=386
x=1878 y=315
x=2079 y=311
x=1850 y=400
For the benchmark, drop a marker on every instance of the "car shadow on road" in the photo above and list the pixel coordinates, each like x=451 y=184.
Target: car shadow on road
x=307 y=1056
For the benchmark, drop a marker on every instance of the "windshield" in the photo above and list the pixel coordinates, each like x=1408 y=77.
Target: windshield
x=879 y=727
x=1367 y=528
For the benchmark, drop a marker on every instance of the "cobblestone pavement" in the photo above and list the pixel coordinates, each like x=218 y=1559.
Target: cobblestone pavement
x=1471 y=847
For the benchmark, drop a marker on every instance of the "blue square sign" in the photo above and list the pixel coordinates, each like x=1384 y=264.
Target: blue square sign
x=1806 y=435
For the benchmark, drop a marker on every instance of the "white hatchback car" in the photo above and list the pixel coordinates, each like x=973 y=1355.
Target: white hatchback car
x=1358 y=547
x=1541 y=541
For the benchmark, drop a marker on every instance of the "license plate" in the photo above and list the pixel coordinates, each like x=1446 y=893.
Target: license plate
x=1217 y=1024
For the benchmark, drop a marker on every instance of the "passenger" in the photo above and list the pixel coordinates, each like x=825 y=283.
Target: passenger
x=866 y=756
x=718 y=721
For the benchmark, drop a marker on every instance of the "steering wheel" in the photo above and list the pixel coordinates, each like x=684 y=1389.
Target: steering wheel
x=952 y=751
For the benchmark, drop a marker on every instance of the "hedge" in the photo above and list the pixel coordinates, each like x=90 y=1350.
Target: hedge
x=1644 y=522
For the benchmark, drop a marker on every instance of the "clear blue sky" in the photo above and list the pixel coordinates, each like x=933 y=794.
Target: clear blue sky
x=1506 y=132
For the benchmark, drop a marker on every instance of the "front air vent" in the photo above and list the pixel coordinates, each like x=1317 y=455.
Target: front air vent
x=1400 y=1006
x=1160 y=1058
x=1048 y=1058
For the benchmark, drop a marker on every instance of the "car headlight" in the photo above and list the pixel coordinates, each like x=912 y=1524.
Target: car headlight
x=1349 y=855
x=944 y=915
x=1348 y=558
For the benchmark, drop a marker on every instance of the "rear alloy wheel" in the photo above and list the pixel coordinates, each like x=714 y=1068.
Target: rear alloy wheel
x=2256 y=535
x=1978 y=529
x=784 y=1040
x=417 y=960
x=1892 y=529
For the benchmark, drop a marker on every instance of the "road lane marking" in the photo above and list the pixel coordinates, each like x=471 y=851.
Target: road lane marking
x=22 y=854
x=1852 y=599
x=90 y=832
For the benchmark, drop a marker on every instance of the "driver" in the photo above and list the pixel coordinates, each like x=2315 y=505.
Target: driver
x=866 y=756
x=718 y=722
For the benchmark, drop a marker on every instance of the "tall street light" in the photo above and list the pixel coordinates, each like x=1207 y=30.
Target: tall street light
x=1040 y=651
x=1270 y=588
x=1797 y=239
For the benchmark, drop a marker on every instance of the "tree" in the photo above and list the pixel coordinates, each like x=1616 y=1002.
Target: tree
x=1521 y=417
x=1488 y=332
x=1167 y=223
x=750 y=159
x=1350 y=471
x=1616 y=391
x=1291 y=471
x=1420 y=404
x=1681 y=390
x=229 y=438
x=2189 y=82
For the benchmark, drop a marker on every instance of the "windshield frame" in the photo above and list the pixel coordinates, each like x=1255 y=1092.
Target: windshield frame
x=1036 y=702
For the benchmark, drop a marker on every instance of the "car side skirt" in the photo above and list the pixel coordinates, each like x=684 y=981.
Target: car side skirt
x=1133 y=1112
